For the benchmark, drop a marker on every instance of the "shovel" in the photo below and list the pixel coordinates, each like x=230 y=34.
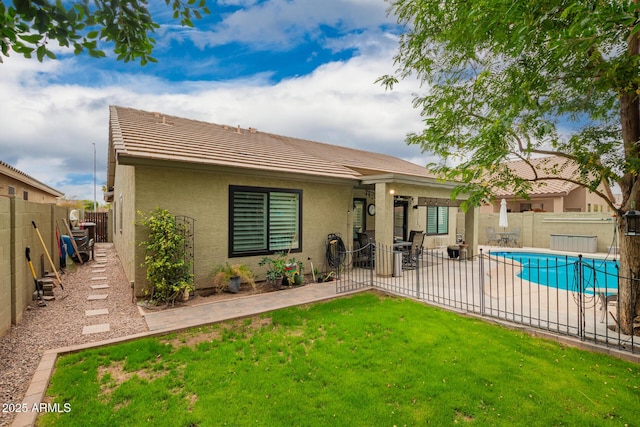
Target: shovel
x=39 y=289
x=46 y=252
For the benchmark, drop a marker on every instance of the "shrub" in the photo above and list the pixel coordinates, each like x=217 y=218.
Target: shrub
x=168 y=272
x=223 y=273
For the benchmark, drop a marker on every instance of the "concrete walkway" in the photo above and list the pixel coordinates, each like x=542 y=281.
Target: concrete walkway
x=184 y=317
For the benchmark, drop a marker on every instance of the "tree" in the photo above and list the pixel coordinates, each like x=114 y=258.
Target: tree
x=26 y=26
x=510 y=78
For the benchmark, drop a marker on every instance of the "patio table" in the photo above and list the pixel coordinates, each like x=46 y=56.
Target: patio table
x=506 y=237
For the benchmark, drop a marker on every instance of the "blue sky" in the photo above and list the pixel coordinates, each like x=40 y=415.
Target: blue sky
x=301 y=68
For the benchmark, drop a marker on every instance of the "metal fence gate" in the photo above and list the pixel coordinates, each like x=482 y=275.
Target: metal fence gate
x=493 y=286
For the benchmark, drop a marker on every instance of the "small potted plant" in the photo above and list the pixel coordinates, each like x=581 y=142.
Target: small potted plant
x=229 y=277
x=276 y=268
x=293 y=271
x=281 y=270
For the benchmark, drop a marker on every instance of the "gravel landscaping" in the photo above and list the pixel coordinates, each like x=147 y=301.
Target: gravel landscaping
x=61 y=322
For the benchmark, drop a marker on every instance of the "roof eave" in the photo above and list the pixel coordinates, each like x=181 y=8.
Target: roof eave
x=24 y=178
x=132 y=160
x=408 y=179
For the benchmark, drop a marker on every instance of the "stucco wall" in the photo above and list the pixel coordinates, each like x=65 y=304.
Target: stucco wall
x=123 y=217
x=596 y=202
x=34 y=194
x=204 y=196
x=537 y=227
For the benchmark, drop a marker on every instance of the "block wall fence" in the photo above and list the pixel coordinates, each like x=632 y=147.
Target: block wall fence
x=536 y=228
x=16 y=233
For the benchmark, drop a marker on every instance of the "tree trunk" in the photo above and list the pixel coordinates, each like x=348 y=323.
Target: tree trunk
x=629 y=294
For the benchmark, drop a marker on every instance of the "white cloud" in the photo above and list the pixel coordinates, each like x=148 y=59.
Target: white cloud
x=49 y=129
x=280 y=24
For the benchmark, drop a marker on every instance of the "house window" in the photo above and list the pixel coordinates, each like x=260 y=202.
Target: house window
x=264 y=220
x=437 y=220
x=12 y=190
x=25 y=195
x=121 y=213
x=115 y=214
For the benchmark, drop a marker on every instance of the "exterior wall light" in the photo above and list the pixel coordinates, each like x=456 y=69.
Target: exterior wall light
x=633 y=223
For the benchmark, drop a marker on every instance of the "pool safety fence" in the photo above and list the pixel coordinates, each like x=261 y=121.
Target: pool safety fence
x=564 y=295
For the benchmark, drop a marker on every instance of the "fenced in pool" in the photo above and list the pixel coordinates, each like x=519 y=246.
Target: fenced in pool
x=565 y=272
x=570 y=296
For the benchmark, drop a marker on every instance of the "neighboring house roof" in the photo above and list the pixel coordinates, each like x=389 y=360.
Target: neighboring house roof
x=10 y=171
x=146 y=135
x=546 y=167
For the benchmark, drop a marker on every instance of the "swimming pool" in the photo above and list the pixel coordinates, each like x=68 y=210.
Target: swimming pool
x=564 y=272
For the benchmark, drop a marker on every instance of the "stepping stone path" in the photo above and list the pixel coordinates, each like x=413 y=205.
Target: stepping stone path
x=101 y=263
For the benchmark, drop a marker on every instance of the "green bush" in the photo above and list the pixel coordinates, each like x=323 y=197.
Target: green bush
x=168 y=271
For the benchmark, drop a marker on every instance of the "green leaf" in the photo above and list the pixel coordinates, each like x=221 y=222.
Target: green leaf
x=40 y=52
x=31 y=38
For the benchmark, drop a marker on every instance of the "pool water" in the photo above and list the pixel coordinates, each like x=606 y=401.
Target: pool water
x=563 y=272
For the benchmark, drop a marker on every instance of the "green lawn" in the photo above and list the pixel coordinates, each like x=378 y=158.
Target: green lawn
x=365 y=360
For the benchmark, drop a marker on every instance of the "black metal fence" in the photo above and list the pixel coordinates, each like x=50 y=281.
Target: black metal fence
x=565 y=295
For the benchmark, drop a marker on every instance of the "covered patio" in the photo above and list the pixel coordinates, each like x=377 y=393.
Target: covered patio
x=405 y=203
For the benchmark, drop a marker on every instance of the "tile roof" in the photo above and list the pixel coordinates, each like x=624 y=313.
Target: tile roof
x=142 y=134
x=8 y=170
x=549 y=166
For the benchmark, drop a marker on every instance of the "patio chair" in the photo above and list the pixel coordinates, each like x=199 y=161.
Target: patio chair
x=410 y=256
x=413 y=233
x=364 y=254
x=492 y=236
x=514 y=237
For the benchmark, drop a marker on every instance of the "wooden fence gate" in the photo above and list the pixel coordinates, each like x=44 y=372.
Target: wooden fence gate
x=101 y=219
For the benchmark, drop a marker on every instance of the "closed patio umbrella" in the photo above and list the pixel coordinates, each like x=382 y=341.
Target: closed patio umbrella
x=503 y=222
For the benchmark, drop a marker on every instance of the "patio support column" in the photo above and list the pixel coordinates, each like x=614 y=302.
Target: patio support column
x=471 y=218
x=384 y=229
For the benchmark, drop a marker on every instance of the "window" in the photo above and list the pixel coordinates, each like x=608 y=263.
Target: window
x=25 y=195
x=437 y=220
x=264 y=220
x=12 y=190
x=121 y=213
x=115 y=214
